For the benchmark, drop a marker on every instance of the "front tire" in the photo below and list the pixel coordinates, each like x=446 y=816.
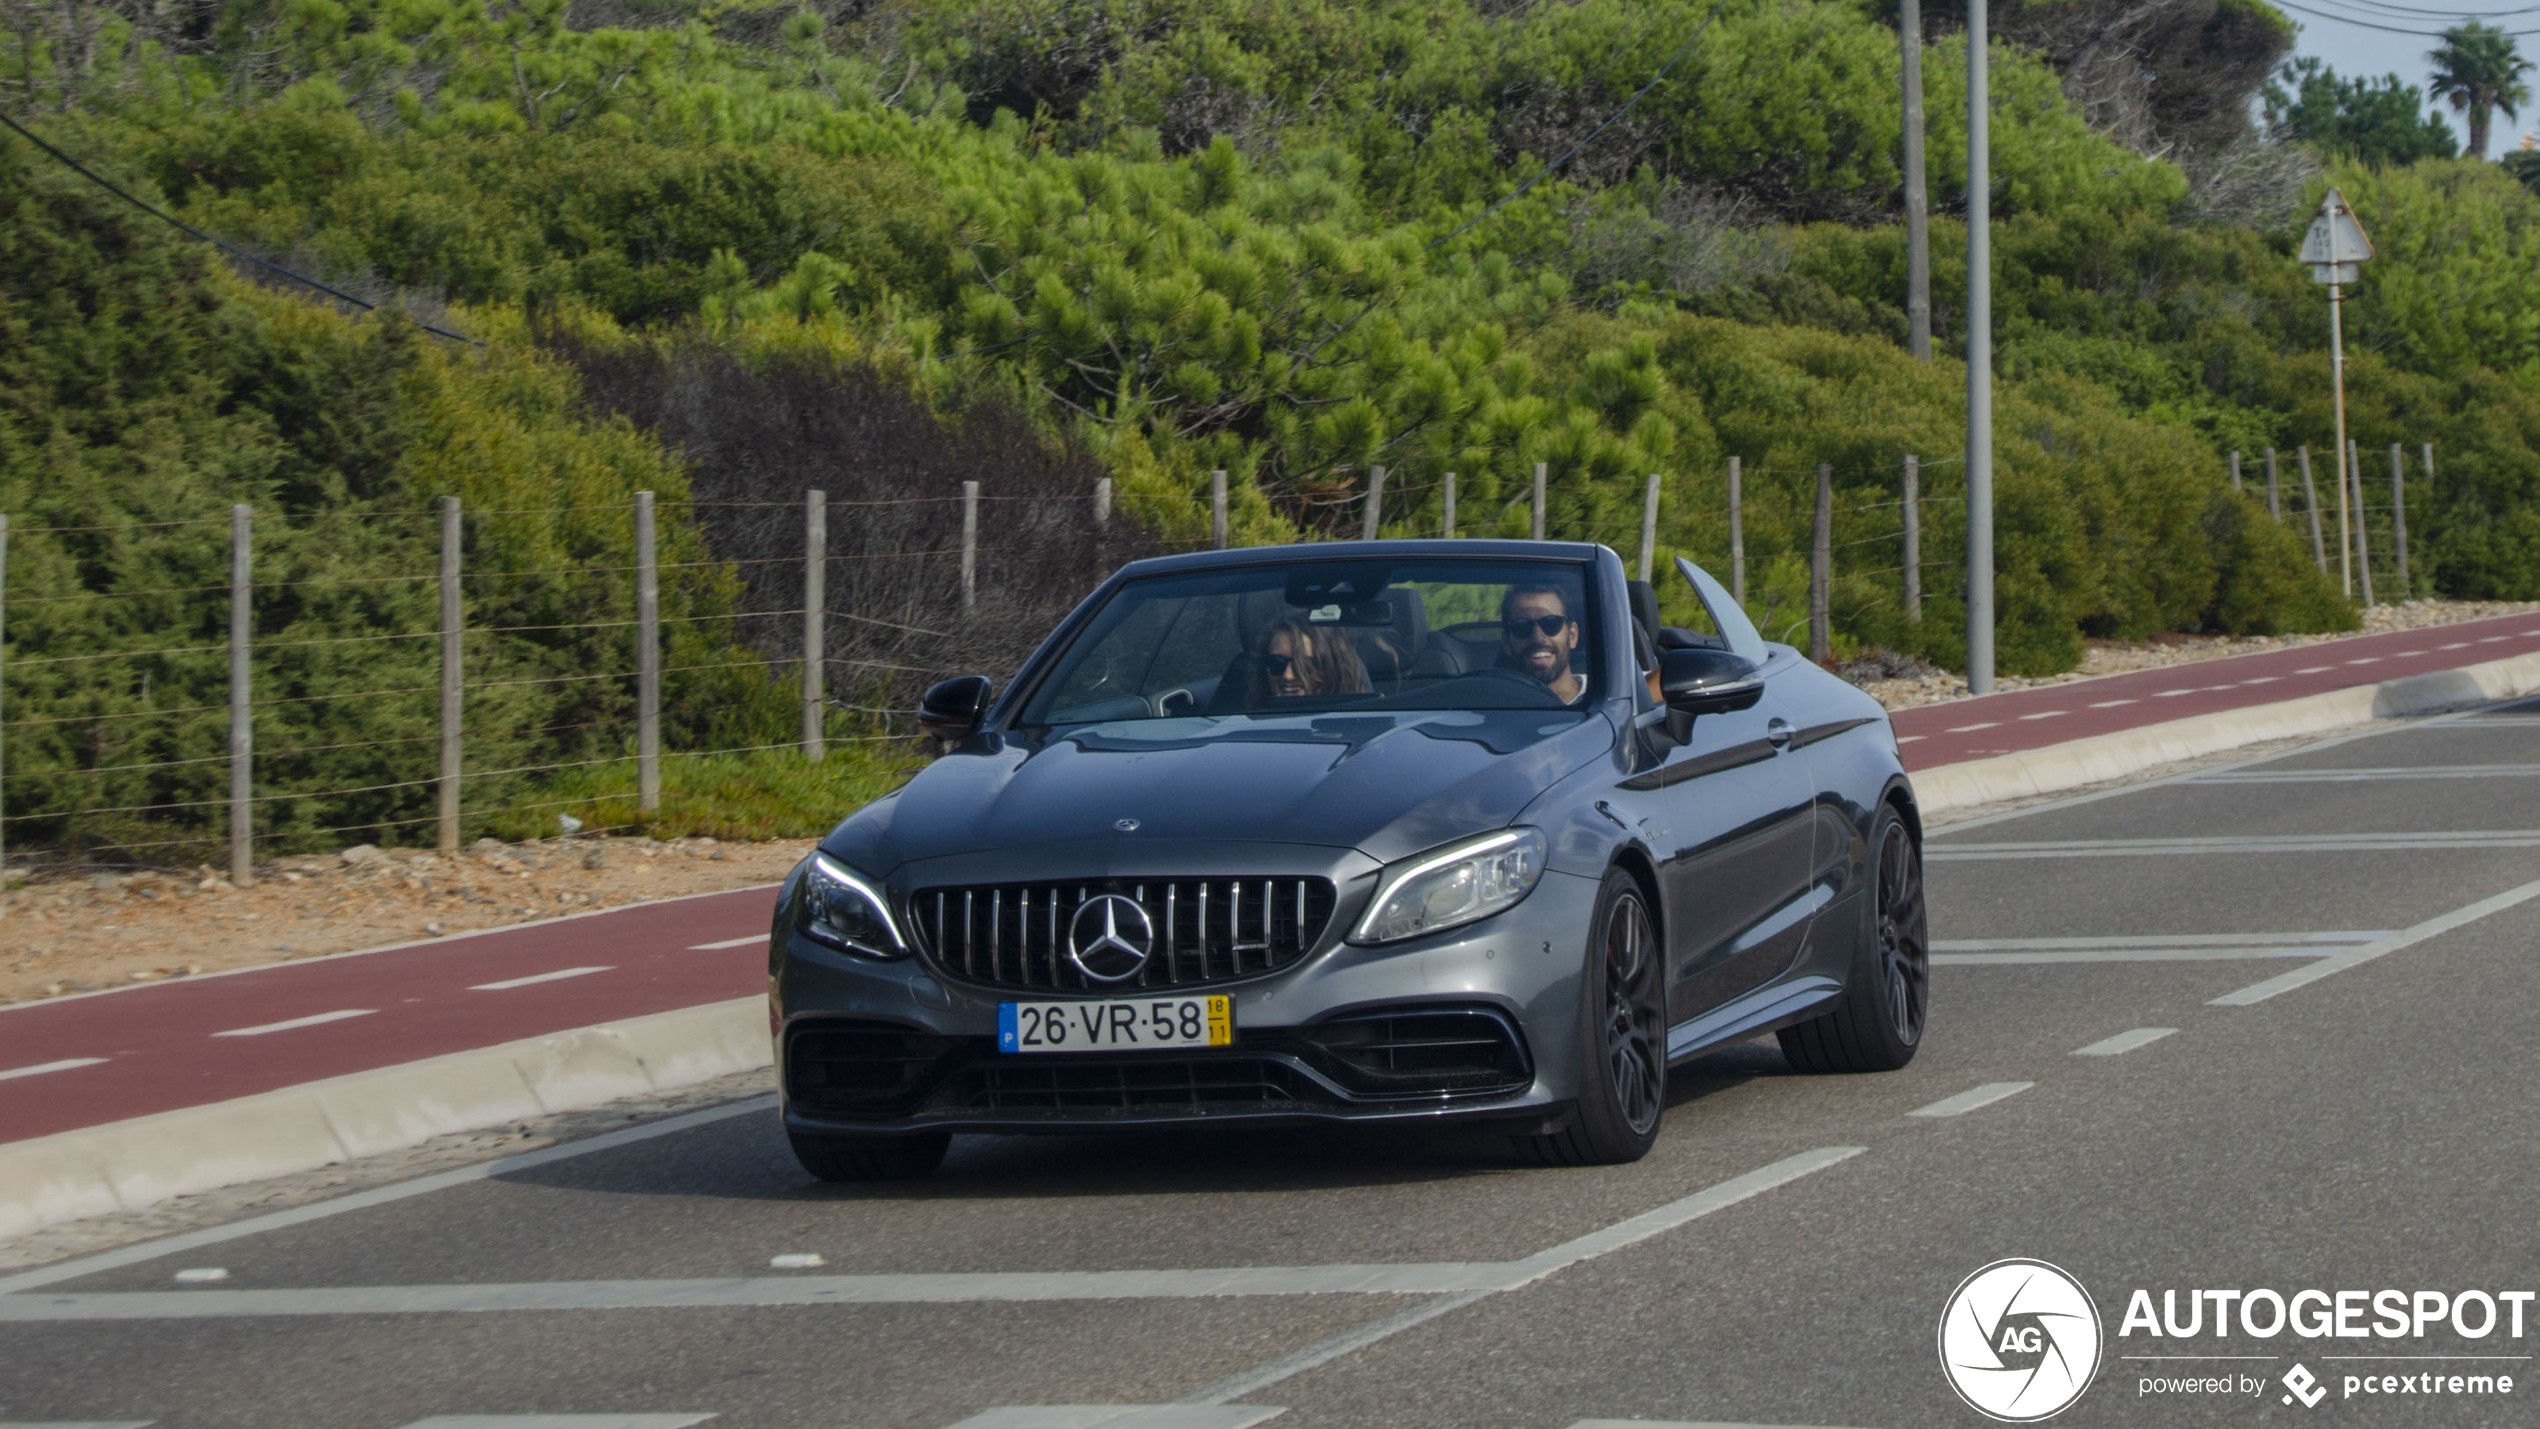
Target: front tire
x=1622 y=1063
x=839 y=1157
x=1877 y=1023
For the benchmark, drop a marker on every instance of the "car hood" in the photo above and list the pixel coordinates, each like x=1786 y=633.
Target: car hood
x=1384 y=784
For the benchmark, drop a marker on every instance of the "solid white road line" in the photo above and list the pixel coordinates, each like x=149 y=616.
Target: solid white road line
x=1676 y=1424
x=313 y=1020
x=2355 y=957
x=79 y=1424
x=202 y=1275
x=1123 y=1416
x=2376 y=772
x=1972 y=728
x=1972 y=1098
x=1448 y=1279
x=2239 y=843
x=2124 y=1042
x=364 y=1200
x=533 y=979
x=560 y=1421
x=2163 y=940
x=40 y=1068
x=727 y=943
x=1667 y=1217
x=2057 y=957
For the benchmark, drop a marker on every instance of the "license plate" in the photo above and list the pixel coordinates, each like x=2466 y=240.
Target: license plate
x=1118 y=1025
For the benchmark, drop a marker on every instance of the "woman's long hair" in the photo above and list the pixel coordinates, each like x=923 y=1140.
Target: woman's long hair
x=1326 y=660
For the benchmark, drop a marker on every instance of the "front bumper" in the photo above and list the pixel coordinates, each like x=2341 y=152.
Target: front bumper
x=1478 y=1022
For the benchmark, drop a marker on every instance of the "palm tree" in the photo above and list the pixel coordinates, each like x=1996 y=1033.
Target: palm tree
x=2478 y=71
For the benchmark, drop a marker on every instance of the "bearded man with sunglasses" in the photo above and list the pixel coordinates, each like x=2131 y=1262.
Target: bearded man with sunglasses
x=1537 y=635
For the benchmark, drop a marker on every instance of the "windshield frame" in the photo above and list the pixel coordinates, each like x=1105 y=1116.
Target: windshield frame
x=1583 y=566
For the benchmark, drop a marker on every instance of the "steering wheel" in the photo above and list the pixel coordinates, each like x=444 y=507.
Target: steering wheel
x=1173 y=703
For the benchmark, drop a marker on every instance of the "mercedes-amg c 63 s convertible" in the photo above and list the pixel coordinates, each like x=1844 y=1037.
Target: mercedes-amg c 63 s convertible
x=1383 y=831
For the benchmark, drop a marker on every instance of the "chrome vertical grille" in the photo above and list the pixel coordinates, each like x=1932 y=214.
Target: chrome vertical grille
x=1207 y=930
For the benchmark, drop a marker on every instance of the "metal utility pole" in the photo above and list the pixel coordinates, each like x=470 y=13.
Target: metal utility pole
x=1979 y=359
x=2336 y=249
x=1375 y=512
x=1913 y=508
x=1540 y=471
x=1909 y=34
x=1449 y=512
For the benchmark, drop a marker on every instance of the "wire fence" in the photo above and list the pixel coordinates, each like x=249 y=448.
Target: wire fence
x=193 y=744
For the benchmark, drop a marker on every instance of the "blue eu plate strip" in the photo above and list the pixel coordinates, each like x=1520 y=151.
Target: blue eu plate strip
x=1005 y=1027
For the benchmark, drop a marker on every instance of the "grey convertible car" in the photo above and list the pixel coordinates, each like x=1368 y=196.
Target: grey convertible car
x=1384 y=831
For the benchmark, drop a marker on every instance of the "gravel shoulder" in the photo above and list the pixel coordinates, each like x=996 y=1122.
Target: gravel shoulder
x=107 y=929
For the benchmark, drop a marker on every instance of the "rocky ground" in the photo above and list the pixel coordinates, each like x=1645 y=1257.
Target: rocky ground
x=103 y=929
x=84 y=931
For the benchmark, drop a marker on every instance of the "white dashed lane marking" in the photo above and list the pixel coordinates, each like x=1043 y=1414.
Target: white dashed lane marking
x=727 y=943
x=533 y=979
x=1972 y=728
x=2124 y=1042
x=2049 y=714
x=1123 y=1416
x=315 y=1019
x=560 y=1421
x=40 y=1068
x=2112 y=704
x=1972 y=1098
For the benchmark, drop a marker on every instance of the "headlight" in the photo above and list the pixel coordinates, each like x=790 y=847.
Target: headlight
x=1454 y=885
x=836 y=906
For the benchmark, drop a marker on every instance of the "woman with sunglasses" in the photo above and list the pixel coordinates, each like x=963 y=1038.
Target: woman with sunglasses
x=1293 y=659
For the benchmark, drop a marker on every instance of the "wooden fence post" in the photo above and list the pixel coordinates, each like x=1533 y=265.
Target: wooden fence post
x=242 y=733
x=2311 y=503
x=815 y=621
x=1649 y=528
x=2399 y=515
x=1375 y=503
x=1102 y=503
x=969 y=544
x=1217 y=509
x=2235 y=471
x=453 y=674
x=1821 y=570
x=2363 y=547
x=2275 y=505
x=1913 y=508
x=647 y=661
x=1737 y=538
x=1450 y=506
x=1540 y=470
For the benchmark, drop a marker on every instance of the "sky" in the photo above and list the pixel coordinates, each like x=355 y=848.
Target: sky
x=2354 y=49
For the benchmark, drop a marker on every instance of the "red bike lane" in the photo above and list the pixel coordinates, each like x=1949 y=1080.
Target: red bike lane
x=83 y=1061
x=2015 y=721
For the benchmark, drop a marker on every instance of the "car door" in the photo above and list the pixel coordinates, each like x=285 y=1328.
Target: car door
x=1728 y=812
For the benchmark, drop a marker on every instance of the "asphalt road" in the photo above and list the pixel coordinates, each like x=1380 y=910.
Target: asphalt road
x=2347 y=1102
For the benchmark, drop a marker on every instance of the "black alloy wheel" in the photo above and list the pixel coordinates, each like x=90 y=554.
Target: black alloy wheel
x=1904 y=938
x=1878 y=1021
x=1623 y=1042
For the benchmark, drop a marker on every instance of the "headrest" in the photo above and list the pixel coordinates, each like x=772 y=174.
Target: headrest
x=1389 y=649
x=1645 y=607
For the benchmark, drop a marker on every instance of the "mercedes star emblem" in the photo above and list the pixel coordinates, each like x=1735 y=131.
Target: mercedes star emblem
x=1126 y=826
x=1109 y=938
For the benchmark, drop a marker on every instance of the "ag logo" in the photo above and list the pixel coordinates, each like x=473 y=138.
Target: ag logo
x=2019 y=1341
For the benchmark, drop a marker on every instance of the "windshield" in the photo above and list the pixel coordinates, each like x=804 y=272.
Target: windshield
x=1322 y=635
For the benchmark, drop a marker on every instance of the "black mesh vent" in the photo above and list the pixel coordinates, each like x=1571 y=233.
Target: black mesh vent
x=1205 y=930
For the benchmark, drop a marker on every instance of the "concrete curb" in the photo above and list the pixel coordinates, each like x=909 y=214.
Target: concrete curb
x=2101 y=758
x=126 y=1165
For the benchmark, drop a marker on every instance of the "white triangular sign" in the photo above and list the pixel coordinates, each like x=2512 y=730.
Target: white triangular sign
x=2335 y=237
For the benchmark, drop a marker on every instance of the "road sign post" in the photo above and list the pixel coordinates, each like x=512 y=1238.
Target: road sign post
x=2335 y=249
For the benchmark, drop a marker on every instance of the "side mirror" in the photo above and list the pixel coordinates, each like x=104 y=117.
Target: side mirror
x=1704 y=681
x=951 y=710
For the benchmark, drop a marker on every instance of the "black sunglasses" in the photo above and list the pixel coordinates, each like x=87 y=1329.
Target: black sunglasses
x=1522 y=627
x=1274 y=666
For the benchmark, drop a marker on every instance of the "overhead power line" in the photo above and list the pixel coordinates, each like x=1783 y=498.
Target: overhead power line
x=2375 y=25
x=231 y=249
